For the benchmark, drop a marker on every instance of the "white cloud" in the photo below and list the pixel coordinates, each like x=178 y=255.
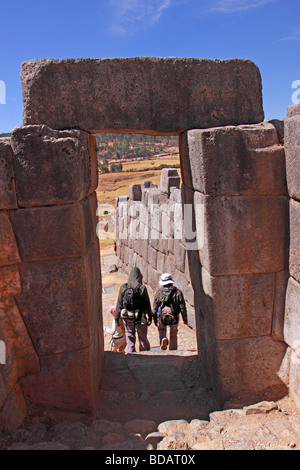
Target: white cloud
x=294 y=36
x=130 y=15
x=231 y=6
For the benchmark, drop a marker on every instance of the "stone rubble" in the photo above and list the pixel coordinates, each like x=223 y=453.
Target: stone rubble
x=261 y=426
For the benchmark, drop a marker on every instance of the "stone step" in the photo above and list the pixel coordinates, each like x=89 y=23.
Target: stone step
x=157 y=385
x=156 y=406
x=153 y=370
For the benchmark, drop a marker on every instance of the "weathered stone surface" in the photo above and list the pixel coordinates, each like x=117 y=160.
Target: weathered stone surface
x=51 y=167
x=140 y=426
x=281 y=281
x=39 y=446
x=9 y=281
x=58 y=319
x=295 y=239
x=8 y=198
x=179 y=255
x=153 y=276
x=135 y=192
x=169 y=178
x=144 y=94
x=293 y=110
x=152 y=257
x=292 y=315
x=250 y=364
x=67 y=381
x=92 y=149
x=9 y=253
x=14 y=411
x=20 y=357
x=239 y=235
x=58 y=232
x=262 y=407
x=292 y=144
x=295 y=377
x=245 y=160
x=242 y=306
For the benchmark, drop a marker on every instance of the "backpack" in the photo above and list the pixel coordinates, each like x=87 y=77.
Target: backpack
x=165 y=312
x=131 y=299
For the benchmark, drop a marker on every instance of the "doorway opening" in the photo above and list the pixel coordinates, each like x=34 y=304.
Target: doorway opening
x=130 y=168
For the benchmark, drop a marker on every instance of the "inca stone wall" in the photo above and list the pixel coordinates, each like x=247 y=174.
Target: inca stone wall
x=235 y=178
x=243 y=270
x=234 y=198
x=292 y=306
x=50 y=302
x=150 y=234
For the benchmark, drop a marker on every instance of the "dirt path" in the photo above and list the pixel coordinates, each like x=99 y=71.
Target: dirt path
x=111 y=283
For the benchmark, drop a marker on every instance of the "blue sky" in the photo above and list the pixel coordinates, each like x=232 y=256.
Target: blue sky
x=265 y=31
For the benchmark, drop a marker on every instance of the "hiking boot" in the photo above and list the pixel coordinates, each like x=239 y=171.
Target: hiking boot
x=164 y=344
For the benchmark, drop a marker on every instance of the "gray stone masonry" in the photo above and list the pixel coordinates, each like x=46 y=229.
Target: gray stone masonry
x=155 y=232
x=292 y=302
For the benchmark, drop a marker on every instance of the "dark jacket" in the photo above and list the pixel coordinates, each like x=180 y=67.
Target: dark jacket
x=176 y=302
x=135 y=278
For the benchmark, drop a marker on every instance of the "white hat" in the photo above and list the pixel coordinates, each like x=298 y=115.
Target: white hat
x=166 y=279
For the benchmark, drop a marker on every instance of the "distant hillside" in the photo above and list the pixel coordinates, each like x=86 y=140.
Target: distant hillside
x=126 y=146
x=5 y=134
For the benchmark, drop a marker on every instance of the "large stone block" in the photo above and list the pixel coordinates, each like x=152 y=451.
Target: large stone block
x=292 y=151
x=94 y=287
x=245 y=160
x=179 y=255
x=9 y=253
x=58 y=317
x=10 y=283
x=279 y=305
x=14 y=411
x=135 y=192
x=242 y=306
x=8 y=199
x=153 y=277
x=169 y=179
x=240 y=235
x=292 y=315
x=150 y=94
x=20 y=355
x=152 y=256
x=51 y=167
x=250 y=365
x=92 y=149
x=295 y=239
x=58 y=232
x=294 y=384
x=67 y=381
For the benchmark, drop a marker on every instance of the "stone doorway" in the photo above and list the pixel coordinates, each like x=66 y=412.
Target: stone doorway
x=141 y=221
x=212 y=106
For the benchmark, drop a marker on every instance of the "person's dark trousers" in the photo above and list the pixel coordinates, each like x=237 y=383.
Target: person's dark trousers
x=131 y=329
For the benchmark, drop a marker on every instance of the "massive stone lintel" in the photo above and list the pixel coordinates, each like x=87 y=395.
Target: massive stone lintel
x=142 y=94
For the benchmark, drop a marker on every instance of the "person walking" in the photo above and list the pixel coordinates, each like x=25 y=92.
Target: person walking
x=168 y=304
x=134 y=309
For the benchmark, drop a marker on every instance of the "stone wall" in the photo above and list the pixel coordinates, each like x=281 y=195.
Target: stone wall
x=235 y=176
x=50 y=299
x=241 y=271
x=230 y=257
x=150 y=234
x=292 y=306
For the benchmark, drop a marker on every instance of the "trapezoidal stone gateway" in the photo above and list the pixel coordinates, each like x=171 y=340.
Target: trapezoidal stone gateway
x=144 y=94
